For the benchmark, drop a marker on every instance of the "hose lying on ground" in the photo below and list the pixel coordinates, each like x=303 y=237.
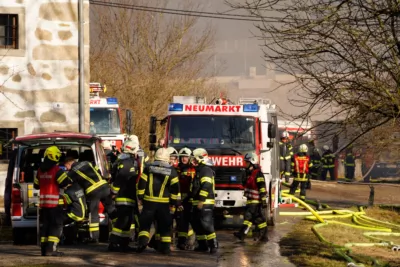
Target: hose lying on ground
x=376 y=229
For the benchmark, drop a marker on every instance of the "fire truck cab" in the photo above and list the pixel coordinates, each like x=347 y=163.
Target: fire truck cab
x=227 y=131
x=106 y=117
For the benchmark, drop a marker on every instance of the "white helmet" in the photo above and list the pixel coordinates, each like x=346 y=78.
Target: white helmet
x=303 y=148
x=133 y=138
x=252 y=158
x=285 y=134
x=209 y=162
x=172 y=151
x=201 y=155
x=185 y=152
x=326 y=147
x=106 y=144
x=162 y=154
x=130 y=147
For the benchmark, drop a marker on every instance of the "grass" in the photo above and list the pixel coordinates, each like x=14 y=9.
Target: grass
x=303 y=248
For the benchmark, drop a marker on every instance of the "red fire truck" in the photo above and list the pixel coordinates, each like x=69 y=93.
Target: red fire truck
x=227 y=131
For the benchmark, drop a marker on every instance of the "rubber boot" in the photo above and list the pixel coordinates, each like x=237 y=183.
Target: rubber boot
x=263 y=235
x=43 y=248
x=53 y=249
x=213 y=245
x=153 y=242
x=164 y=248
x=201 y=246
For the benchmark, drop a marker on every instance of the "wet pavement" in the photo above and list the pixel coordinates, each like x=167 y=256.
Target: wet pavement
x=231 y=253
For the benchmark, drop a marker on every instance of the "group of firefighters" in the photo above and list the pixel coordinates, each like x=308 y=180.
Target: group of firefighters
x=308 y=164
x=176 y=186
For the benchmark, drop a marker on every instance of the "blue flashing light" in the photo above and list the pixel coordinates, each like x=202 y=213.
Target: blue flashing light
x=112 y=101
x=91 y=109
x=250 y=108
x=175 y=107
x=233 y=179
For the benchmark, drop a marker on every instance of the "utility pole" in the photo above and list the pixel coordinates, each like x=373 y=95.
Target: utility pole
x=81 y=67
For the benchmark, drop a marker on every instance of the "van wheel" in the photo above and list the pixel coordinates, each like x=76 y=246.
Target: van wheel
x=18 y=235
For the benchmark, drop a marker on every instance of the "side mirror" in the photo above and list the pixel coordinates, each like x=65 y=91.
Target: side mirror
x=271 y=130
x=152 y=139
x=153 y=125
x=128 y=121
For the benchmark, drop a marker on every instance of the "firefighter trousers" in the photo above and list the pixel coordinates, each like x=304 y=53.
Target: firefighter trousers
x=325 y=173
x=253 y=215
x=120 y=232
x=203 y=225
x=295 y=184
x=135 y=222
x=350 y=172
x=183 y=221
x=103 y=195
x=160 y=213
x=52 y=220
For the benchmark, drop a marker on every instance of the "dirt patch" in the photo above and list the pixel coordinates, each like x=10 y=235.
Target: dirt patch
x=1 y=202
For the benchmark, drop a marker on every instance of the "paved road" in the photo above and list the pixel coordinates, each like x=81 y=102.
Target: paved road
x=231 y=253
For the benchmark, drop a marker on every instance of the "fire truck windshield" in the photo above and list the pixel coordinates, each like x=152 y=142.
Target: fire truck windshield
x=104 y=121
x=212 y=132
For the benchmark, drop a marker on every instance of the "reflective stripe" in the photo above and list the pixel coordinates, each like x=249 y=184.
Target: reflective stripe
x=174 y=180
x=203 y=193
x=252 y=201
x=166 y=239
x=120 y=232
x=175 y=197
x=206 y=179
x=95 y=186
x=144 y=233
x=248 y=223
x=141 y=192
x=201 y=237
x=182 y=234
x=69 y=201
x=53 y=239
x=156 y=199
x=124 y=201
x=262 y=225
x=211 y=236
x=114 y=189
x=206 y=202
x=62 y=178
x=163 y=186
x=144 y=176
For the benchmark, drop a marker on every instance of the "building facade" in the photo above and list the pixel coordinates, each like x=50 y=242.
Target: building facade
x=39 y=67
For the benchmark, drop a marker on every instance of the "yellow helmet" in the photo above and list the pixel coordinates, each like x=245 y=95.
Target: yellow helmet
x=53 y=153
x=201 y=155
x=162 y=154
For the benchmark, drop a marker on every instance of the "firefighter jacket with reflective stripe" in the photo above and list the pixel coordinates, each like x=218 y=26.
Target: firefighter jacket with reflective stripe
x=203 y=186
x=142 y=160
x=254 y=190
x=88 y=177
x=328 y=160
x=301 y=165
x=124 y=185
x=159 y=182
x=285 y=155
x=315 y=160
x=350 y=160
x=75 y=201
x=49 y=183
x=186 y=174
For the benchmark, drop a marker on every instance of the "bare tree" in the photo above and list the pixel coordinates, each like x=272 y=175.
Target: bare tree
x=344 y=56
x=145 y=58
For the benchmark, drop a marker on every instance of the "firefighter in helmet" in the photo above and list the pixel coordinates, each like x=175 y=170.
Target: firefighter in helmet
x=186 y=174
x=173 y=156
x=124 y=187
x=301 y=165
x=203 y=200
x=256 y=194
x=350 y=163
x=286 y=153
x=328 y=163
x=50 y=178
x=158 y=189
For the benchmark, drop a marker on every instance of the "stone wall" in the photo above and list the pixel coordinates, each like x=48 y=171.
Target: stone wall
x=39 y=81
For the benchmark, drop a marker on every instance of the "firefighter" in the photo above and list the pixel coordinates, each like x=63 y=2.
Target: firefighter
x=301 y=165
x=256 y=194
x=158 y=189
x=315 y=171
x=110 y=151
x=186 y=174
x=350 y=163
x=96 y=190
x=124 y=187
x=50 y=178
x=328 y=163
x=173 y=156
x=74 y=201
x=203 y=200
x=286 y=153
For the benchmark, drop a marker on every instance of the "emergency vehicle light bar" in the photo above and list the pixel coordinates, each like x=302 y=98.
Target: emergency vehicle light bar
x=250 y=108
x=112 y=101
x=175 y=107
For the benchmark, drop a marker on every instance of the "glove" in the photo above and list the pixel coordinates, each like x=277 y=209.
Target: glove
x=264 y=203
x=200 y=205
x=180 y=208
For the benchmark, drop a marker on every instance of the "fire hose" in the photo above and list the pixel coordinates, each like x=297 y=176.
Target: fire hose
x=375 y=229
